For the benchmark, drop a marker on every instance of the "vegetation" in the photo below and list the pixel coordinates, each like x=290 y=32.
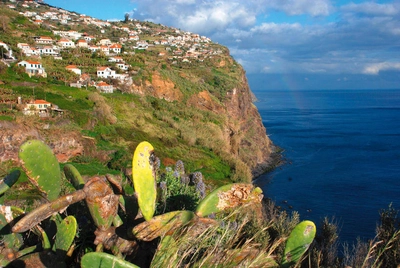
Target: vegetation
x=184 y=223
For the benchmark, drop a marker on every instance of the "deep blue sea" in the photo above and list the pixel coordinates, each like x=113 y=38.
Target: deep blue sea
x=343 y=155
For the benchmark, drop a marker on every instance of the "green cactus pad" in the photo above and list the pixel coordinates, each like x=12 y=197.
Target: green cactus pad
x=229 y=196
x=73 y=175
x=9 y=180
x=41 y=167
x=104 y=260
x=66 y=231
x=162 y=224
x=11 y=240
x=298 y=242
x=144 y=179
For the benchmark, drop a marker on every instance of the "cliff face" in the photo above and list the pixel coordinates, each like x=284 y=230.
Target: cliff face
x=244 y=135
x=248 y=138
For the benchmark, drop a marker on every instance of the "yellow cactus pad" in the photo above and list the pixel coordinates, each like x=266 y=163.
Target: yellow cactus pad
x=144 y=178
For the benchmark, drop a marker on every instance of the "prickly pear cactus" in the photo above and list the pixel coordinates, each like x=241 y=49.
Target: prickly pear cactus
x=41 y=167
x=229 y=196
x=46 y=210
x=162 y=224
x=104 y=260
x=73 y=175
x=298 y=242
x=144 y=179
x=101 y=201
x=66 y=231
x=9 y=181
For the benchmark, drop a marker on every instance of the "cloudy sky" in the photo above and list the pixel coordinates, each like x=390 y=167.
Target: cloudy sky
x=295 y=44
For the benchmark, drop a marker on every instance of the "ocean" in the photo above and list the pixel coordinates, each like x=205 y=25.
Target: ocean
x=342 y=151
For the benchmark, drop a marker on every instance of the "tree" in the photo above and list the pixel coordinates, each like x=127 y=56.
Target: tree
x=126 y=17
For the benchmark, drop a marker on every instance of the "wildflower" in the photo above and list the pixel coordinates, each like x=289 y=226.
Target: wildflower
x=196 y=177
x=201 y=188
x=185 y=180
x=180 y=167
x=163 y=186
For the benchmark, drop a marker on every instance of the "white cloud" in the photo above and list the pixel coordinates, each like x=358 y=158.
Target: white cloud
x=298 y=7
x=360 y=34
x=372 y=8
x=375 y=68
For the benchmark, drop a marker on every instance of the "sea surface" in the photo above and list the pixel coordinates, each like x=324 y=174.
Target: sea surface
x=343 y=155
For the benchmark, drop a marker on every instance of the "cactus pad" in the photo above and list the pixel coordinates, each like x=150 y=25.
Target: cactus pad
x=66 y=231
x=144 y=179
x=229 y=196
x=73 y=175
x=162 y=224
x=41 y=167
x=9 y=180
x=104 y=260
x=298 y=242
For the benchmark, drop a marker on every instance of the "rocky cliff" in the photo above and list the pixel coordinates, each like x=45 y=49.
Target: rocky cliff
x=243 y=133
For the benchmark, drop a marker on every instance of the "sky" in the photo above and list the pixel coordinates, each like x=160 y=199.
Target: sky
x=283 y=44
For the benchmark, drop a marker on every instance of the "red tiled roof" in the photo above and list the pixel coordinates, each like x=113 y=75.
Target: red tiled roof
x=41 y=102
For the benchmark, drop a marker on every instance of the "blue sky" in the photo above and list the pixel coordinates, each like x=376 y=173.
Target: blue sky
x=291 y=44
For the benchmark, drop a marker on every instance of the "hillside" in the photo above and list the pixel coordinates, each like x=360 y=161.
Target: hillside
x=114 y=84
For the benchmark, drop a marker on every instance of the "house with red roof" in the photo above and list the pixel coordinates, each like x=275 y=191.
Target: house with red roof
x=44 y=40
x=66 y=43
x=33 y=68
x=115 y=48
x=82 y=43
x=74 y=68
x=103 y=87
x=40 y=107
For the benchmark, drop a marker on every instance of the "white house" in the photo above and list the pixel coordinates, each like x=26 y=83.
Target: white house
x=33 y=68
x=66 y=43
x=104 y=87
x=44 y=40
x=89 y=38
x=74 y=68
x=115 y=59
x=37 y=106
x=94 y=48
x=82 y=43
x=105 y=49
x=115 y=48
x=122 y=66
x=105 y=72
x=105 y=42
x=47 y=50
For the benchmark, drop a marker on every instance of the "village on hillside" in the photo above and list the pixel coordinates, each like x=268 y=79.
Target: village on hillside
x=170 y=45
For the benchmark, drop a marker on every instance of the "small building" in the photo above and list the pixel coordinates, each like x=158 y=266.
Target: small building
x=33 y=68
x=104 y=87
x=105 y=72
x=37 y=107
x=82 y=43
x=44 y=40
x=74 y=68
x=66 y=43
x=115 y=48
x=105 y=42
